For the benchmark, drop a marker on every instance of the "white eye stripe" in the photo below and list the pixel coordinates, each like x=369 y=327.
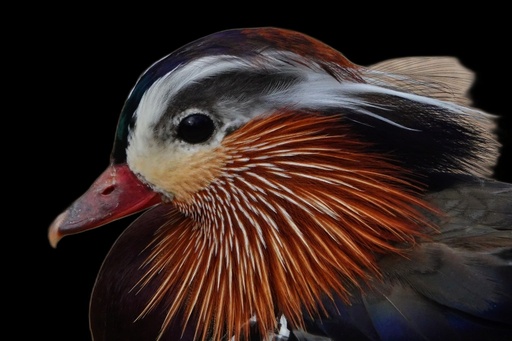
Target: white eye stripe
x=155 y=100
x=315 y=88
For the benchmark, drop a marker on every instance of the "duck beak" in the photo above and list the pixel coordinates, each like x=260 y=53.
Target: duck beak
x=115 y=194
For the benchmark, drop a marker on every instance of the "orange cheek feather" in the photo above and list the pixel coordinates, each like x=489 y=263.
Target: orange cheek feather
x=277 y=217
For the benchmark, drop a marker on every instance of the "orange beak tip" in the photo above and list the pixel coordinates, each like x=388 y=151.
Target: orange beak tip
x=54 y=235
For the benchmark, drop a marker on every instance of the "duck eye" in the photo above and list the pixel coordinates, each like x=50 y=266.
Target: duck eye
x=196 y=128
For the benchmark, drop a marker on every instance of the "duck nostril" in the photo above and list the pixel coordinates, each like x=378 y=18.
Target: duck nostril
x=108 y=190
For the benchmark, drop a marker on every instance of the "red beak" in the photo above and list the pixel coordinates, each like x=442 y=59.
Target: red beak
x=116 y=193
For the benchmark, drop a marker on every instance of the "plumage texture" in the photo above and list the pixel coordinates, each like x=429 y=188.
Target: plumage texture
x=274 y=221
x=304 y=197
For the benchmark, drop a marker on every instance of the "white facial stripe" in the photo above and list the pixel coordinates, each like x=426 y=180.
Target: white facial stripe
x=155 y=100
x=349 y=89
x=322 y=91
x=315 y=89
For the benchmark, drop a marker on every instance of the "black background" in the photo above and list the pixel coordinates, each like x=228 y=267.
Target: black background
x=85 y=65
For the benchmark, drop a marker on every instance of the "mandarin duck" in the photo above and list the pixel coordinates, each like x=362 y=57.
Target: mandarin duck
x=290 y=194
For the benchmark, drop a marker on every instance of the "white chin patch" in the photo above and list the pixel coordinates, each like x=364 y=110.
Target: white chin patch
x=282 y=335
x=284 y=332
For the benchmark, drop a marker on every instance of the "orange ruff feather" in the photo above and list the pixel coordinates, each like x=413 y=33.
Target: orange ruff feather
x=300 y=209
